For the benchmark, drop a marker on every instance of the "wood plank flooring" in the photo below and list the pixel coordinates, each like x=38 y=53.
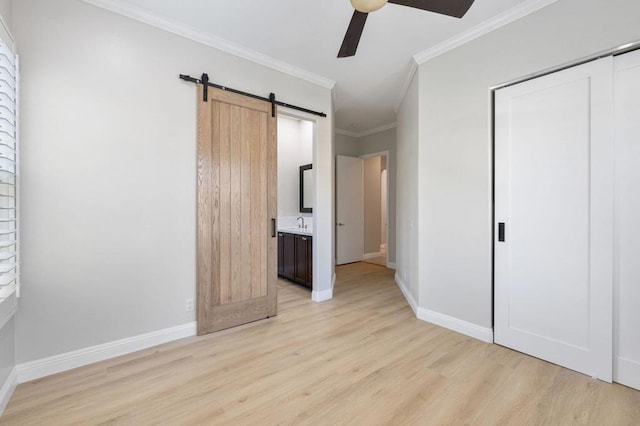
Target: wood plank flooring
x=380 y=260
x=360 y=359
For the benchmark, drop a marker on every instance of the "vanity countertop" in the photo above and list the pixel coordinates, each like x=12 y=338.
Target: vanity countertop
x=308 y=231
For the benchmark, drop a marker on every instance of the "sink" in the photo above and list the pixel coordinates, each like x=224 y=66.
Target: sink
x=296 y=230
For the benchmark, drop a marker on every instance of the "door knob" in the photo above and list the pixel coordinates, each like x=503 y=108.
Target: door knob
x=340 y=224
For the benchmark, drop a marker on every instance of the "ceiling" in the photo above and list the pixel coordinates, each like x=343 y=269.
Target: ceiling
x=307 y=34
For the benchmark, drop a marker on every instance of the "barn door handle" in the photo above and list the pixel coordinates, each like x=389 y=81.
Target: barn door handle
x=273 y=228
x=501 y=232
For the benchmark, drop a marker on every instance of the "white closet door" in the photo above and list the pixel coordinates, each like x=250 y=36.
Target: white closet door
x=554 y=193
x=627 y=221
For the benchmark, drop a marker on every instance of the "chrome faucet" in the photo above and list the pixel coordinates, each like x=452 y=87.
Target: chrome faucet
x=302 y=219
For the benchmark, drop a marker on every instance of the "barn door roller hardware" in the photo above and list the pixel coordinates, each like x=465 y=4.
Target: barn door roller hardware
x=204 y=80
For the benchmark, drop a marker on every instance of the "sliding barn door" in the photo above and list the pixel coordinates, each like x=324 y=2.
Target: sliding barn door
x=236 y=242
x=627 y=221
x=554 y=218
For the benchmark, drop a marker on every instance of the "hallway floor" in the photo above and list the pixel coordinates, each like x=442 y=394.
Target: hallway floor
x=380 y=260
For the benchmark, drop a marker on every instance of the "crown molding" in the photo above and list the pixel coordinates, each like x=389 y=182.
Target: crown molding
x=120 y=7
x=377 y=130
x=492 y=24
x=346 y=133
x=366 y=132
x=471 y=34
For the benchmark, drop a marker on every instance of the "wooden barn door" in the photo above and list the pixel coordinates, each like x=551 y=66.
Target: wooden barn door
x=236 y=239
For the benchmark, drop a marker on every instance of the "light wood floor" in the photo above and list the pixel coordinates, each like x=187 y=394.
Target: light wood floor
x=360 y=359
x=380 y=260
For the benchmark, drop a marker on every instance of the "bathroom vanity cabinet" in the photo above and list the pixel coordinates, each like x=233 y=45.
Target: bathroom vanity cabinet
x=295 y=258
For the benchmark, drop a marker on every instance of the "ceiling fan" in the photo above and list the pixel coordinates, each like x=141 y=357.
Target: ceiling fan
x=455 y=8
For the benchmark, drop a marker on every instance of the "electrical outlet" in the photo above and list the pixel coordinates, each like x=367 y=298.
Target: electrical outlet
x=189 y=305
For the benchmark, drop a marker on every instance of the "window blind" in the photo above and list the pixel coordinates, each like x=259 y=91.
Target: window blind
x=9 y=254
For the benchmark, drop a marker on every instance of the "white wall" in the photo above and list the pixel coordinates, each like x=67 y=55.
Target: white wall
x=295 y=149
x=406 y=191
x=455 y=145
x=7 y=340
x=347 y=145
x=379 y=142
x=6 y=12
x=109 y=173
x=329 y=157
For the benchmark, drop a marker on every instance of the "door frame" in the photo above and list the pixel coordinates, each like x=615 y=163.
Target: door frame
x=386 y=155
x=299 y=115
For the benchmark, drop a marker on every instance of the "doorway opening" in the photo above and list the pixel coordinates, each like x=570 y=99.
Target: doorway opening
x=296 y=200
x=362 y=209
x=376 y=208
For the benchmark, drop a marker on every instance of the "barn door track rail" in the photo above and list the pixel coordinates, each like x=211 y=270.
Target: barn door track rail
x=204 y=80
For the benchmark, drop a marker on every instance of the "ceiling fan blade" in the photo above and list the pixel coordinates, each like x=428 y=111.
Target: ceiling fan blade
x=352 y=37
x=455 y=8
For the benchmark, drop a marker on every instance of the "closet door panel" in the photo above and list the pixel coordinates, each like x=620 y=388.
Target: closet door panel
x=627 y=221
x=554 y=195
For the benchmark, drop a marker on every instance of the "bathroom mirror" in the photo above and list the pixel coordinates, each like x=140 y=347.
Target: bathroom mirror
x=306 y=188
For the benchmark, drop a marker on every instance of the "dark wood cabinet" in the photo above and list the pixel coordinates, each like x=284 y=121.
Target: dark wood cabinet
x=286 y=255
x=295 y=258
x=302 y=259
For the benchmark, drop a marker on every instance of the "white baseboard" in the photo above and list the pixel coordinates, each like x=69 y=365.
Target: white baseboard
x=627 y=372
x=70 y=360
x=383 y=248
x=7 y=389
x=391 y=265
x=322 y=296
x=407 y=294
x=368 y=256
x=455 y=324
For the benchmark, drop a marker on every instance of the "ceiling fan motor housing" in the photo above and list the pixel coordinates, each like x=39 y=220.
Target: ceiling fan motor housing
x=367 y=6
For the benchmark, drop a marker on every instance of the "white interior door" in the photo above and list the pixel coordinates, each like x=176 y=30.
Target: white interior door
x=554 y=193
x=627 y=221
x=349 y=209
